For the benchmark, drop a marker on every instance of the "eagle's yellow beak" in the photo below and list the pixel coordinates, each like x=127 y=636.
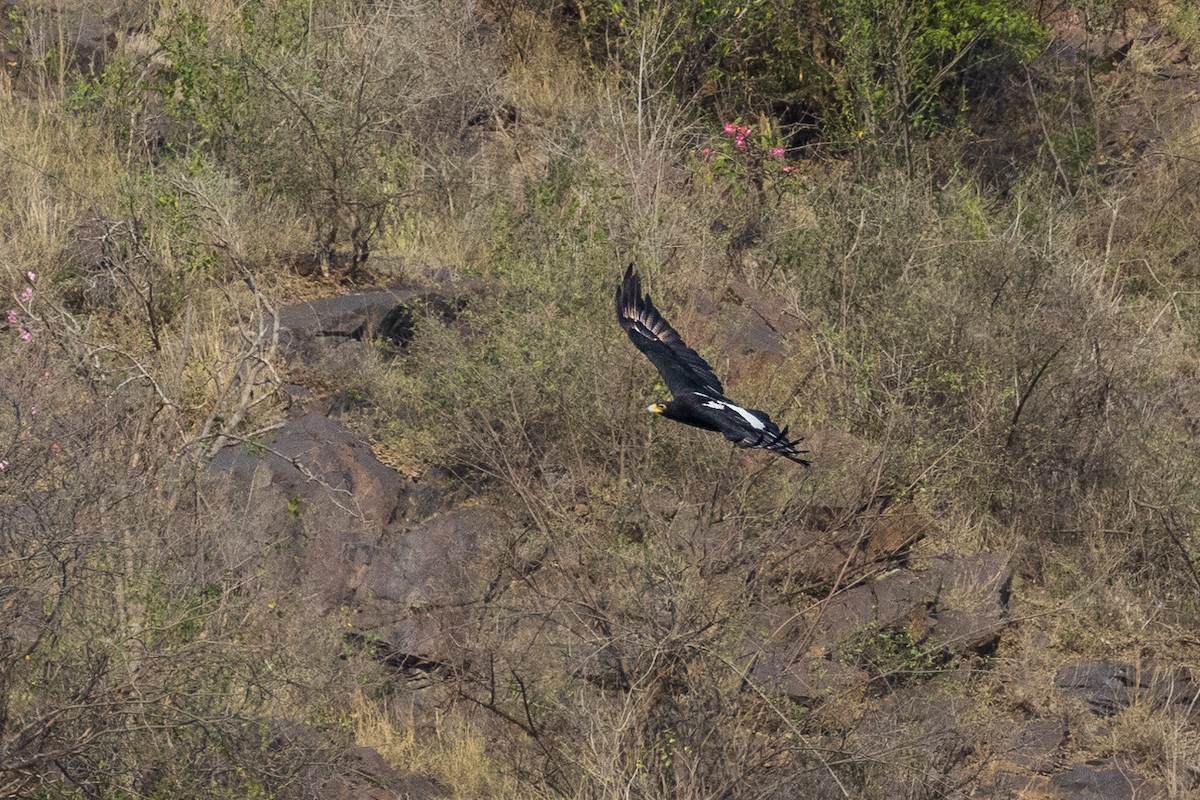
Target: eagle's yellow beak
x=656 y=408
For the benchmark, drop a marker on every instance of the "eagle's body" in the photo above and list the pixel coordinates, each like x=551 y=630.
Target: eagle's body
x=699 y=398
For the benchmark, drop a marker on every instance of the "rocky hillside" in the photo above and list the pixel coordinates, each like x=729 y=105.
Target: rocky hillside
x=324 y=464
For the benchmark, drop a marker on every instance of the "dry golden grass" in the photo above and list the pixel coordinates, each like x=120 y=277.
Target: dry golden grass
x=62 y=167
x=547 y=82
x=441 y=745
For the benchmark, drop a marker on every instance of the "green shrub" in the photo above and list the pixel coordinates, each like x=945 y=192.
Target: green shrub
x=893 y=658
x=878 y=69
x=325 y=106
x=752 y=55
x=910 y=69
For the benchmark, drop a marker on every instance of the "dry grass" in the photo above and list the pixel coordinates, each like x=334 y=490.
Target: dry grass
x=63 y=167
x=1018 y=365
x=444 y=746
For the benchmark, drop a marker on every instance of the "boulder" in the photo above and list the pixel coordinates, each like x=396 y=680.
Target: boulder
x=356 y=537
x=1037 y=746
x=414 y=591
x=973 y=598
x=1108 y=687
x=808 y=680
x=82 y=34
x=313 y=330
x=851 y=542
x=958 y=602
x=318 y=494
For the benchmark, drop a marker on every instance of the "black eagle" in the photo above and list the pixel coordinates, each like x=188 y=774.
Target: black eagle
x=699 y=399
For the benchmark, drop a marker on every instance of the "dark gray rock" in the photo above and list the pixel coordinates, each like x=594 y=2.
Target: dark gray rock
x=893 y=599
x=1037 y=746
x=356 y=537
x=314 y=491
x=1109 y=687
x=959 y=603
x=837 y=543
x=1102 y=779
x=808 y=680
x=111 y=264
x=414 y=591
x=973 y=597
x=311 y=331
x=1023 y=754
x=83 y=34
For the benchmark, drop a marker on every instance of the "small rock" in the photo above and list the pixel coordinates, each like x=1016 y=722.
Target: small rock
x=973 y=597
x=1038 y=744
x=809 y=679
x=1101 y=779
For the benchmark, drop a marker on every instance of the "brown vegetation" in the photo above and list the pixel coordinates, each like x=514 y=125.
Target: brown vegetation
x=954 y=242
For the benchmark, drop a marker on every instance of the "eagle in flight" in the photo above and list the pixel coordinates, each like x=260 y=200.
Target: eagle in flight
x=699 y=399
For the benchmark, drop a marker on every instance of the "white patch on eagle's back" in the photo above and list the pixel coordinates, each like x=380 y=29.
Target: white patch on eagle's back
x=754 y=421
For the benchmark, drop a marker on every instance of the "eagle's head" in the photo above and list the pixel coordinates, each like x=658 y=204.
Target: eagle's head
x=656 y=408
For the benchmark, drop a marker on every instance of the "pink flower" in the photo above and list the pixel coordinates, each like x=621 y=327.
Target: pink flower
x=27 y=294
x=788 y=168
x=706 y=151
x=3 y=464
x=33 y=411
x=740 y=142
x=26 y=334
x=730 y=129
x=31 y=275
x=743 y=130
x=777 y=153
x=12 y=317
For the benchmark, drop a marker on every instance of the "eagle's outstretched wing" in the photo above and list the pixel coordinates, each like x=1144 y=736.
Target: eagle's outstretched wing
x=680 y=366
x=771 y=438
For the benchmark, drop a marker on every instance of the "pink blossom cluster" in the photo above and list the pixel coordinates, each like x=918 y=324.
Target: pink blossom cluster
x=25 y=298
x=13 y=318
x=739 y=134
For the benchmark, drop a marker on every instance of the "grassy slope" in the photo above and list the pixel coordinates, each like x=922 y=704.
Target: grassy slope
x=1012 y=355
